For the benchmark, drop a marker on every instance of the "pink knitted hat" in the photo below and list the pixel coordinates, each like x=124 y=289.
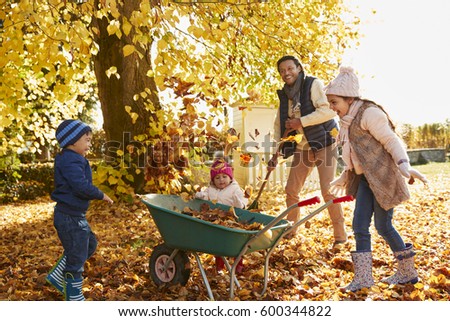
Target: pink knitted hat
x=221 y=167
x=346 y=84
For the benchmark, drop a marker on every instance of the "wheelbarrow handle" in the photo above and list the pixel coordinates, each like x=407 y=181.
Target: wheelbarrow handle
x=310 y=201
x=277 y=219
x=316 y=200
x=346 y=198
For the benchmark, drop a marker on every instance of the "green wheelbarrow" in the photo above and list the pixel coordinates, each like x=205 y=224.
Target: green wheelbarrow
x=183 y=234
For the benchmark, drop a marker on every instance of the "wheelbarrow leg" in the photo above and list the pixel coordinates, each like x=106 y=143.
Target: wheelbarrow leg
x=172 y=255
x=229 y=271
x=272 y=248
x=233 y=271
x=292 y=227
x=205 y=279
x=266 y=272
x=233 y=275
x=266 y=262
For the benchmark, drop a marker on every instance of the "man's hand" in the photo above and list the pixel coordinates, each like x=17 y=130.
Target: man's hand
x=292 y=124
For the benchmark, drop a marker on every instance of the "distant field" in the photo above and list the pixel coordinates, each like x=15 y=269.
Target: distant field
x=433 y=169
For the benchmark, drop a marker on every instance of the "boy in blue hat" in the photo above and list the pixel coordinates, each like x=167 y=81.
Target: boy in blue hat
x=72 y=194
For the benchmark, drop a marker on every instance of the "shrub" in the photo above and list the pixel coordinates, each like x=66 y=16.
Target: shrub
x=26 y=182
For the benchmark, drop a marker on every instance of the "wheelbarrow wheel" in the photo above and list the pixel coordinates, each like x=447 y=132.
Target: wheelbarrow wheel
x=178 y=270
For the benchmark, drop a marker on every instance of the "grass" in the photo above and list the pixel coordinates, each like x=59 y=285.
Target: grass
x=434 y=169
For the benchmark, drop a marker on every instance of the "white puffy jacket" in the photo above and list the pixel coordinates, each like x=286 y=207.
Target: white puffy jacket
x=231 y=195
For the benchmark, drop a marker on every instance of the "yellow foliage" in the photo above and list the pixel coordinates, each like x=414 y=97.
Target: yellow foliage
x=111 y=71
x=53 y=44
x=293 y=138
x=334 y=132
x=113 y=27
x=112 y=180
x=126 y=27
x=128 y=50
x=162 y=44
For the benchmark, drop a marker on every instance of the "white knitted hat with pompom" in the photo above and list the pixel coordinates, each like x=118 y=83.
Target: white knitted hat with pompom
x=346 y=84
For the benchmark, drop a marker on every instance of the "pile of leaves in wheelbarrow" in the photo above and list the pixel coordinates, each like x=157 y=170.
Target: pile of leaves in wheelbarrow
x=222 y=217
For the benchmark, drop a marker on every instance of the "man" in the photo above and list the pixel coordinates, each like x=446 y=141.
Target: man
x=304 y=109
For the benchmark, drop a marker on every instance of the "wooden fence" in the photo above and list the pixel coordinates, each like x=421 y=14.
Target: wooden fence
x=256 y=171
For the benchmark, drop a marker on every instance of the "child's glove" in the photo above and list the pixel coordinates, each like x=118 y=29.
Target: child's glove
x=338 y=186
x=201 y=195
x=248 y=191
x=408 y=172
x=107 y=199
x=239 y=200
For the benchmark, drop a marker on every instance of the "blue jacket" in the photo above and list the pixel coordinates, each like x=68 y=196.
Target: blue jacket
x=73 y=183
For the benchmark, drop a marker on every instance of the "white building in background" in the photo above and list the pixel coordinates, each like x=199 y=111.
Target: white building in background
x=253 y=123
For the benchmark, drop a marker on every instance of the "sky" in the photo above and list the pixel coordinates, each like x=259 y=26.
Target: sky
x=403 y=60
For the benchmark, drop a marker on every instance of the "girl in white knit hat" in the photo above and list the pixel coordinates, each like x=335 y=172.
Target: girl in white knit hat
x=376 y=165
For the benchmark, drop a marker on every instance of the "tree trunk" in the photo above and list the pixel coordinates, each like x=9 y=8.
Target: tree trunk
x=117 y=92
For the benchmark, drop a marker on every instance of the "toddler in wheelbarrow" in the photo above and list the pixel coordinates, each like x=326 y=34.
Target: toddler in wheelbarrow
x=225 y=190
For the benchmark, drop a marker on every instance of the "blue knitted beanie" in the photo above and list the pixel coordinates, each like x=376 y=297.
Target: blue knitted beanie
x=69 y=131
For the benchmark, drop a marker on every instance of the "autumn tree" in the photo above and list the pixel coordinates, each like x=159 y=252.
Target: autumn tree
x=435 y=135
x=151 y=64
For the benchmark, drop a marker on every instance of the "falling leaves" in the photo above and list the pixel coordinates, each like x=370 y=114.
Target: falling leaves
x=301 y=268
x=112 y=71
x=334 y=132
x=253 y=137
x=245 y=159
x=231 y=139
x=293 y=138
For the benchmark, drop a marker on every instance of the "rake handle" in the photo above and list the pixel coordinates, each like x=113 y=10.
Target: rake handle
x=261 y=189
x=269 y=171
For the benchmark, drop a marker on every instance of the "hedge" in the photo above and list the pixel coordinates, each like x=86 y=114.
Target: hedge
x=26 y=182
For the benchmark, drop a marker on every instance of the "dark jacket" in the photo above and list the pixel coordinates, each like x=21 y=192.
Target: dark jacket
x=318 y=136
x=73 y=183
